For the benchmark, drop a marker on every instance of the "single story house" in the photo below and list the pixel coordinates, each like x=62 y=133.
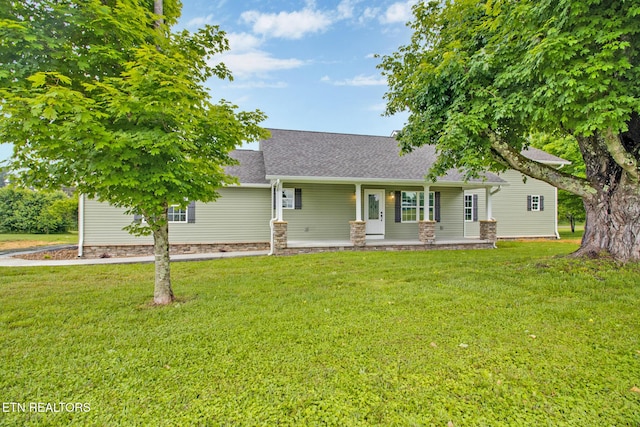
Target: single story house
x=307 y=191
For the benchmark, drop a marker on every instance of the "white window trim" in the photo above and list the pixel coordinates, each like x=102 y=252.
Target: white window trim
x=420 y=208
x=186 y=215
x=535 y=203
x=286 y=199
x=468 y=210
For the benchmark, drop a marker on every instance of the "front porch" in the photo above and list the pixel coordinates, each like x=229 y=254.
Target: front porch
x=301 y=247
x=360 y=242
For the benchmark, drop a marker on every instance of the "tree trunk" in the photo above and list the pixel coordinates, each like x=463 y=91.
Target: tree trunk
x=613 y=224
x=163 y=294
x=613 y=212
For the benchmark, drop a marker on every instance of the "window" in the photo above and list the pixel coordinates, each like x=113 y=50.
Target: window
x=176 y=214
x=468 y=207
x=535 y=203
x=288 y=198
x=412 y=206
x=409 y=206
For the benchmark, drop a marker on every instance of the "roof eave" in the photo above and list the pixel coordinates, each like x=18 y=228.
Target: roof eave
x=383 y=181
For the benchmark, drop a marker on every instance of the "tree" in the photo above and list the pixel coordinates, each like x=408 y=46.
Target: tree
x=479 y=77
x=570 y=206
x=102 y=95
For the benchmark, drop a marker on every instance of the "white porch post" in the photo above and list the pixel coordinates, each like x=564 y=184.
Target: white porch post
x=358 y=202
x=425 y=215
x=279 y=201
x=488 y=203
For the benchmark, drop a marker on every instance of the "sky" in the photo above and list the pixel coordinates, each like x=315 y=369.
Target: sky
x=308 y=65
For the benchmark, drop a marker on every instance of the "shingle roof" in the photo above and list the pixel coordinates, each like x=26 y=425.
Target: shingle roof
x=251 y=168
x=324 y=155
x=306 y=154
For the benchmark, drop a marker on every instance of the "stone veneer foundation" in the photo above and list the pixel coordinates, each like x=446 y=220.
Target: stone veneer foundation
x=108 y=251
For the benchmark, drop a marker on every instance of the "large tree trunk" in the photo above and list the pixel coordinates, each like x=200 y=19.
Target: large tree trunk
x=613 y=212
x=613 y=224
x=163 y=294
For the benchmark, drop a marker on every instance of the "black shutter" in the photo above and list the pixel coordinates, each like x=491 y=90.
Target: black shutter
x=436 y=206
x=475 y=208
x=528 y=203
x=541 y=203
x=137 y=218
x=298 y=198
x=191 y=213
x=398 y=206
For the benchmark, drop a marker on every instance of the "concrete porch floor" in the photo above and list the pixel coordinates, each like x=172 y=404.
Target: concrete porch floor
x=384 y=242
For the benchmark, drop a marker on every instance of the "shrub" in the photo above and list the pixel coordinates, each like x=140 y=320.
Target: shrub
x=28 y=211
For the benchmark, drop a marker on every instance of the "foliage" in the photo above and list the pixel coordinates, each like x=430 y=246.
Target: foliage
x=570 y=206
x=514 y=336
x=105 y=97
x=509 y=68
x=28 y=211
x=480 y=77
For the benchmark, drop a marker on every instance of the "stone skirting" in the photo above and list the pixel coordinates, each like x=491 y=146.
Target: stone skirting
x=358 y=233
x=400 y=247
x=489 y=231
x=427 y=231
x=109 y=251
x=279 y=236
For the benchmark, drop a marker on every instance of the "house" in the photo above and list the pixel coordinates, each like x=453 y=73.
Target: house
x=309 y=191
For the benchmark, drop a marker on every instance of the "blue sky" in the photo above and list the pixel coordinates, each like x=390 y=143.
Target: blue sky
x=309 y=65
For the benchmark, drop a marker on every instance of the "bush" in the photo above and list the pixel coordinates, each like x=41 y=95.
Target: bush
x=27 y=211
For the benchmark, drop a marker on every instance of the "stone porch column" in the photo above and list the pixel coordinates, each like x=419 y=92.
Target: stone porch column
x=358 y=233
x=279 y=235
x=427 y=232
x=489 y=230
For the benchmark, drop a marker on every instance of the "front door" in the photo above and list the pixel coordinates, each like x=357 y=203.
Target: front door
x=374 y=213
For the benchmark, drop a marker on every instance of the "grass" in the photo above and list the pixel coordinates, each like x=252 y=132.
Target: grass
x=514 y=336
x=22 y=241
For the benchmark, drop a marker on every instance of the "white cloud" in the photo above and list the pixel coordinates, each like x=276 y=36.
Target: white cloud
x=288 y=25
x=360 y=80
x=245 y=64
x=259 y=85
x=200 y=21
x=240 y=42
x=399 y=12
x=345 y=9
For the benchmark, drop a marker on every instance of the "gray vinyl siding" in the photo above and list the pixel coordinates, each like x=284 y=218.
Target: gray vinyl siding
x=472 y=228
x=239 y=215
x=325 y=214
x=451 y=214
x=510 y=208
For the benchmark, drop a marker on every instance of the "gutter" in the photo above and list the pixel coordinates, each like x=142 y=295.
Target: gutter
x=274 y=184
x=80 y=225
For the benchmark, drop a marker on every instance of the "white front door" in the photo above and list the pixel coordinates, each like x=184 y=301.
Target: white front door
x=374 y=213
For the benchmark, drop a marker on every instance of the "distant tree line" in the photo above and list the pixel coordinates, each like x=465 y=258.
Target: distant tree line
x=28 y=211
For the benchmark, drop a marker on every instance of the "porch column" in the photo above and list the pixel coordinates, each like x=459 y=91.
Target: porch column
x=426 y=227
x=358 y=202
x=279 y=236
x=358 y=233
x=279 y=201
x=488 y=206
x=489 y=231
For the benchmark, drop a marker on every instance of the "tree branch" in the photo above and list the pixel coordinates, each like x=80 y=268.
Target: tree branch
x=506 y=155
x=620 y=155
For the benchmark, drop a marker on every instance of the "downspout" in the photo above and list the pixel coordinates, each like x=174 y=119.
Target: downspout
x=80 y=225
x=274 y=214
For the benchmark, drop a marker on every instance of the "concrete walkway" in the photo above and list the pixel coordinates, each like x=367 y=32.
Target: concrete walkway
x=7 y=260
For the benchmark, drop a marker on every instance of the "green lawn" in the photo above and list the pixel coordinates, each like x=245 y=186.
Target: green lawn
x=514 y=336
